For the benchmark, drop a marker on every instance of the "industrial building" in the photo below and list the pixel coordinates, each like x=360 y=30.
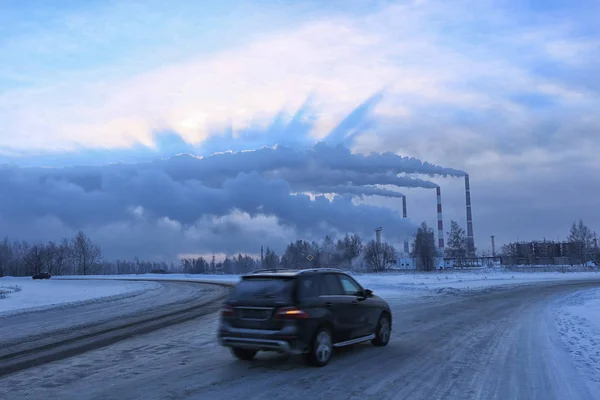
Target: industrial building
x=545 y=253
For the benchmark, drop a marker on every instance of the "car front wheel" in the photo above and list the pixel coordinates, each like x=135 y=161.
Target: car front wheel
x=383 y=331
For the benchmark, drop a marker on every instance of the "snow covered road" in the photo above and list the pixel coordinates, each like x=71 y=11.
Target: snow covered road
x=28 y=295
x=62 y=331
x=499 y=344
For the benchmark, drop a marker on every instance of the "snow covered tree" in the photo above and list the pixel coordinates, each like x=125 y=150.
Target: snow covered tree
x=347 y=250
x=271 y=259
x=296 y=253
x=456 y=243
x=327 y=253
x=228 y=266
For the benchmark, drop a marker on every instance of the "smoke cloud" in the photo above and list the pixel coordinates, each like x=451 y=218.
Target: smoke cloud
x=185 y=193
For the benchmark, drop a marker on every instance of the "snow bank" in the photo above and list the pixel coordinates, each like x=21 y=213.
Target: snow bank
x=578 y=320
x=456 y=281
x=26 y=295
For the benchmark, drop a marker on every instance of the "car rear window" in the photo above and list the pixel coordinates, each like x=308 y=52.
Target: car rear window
x=264 y=288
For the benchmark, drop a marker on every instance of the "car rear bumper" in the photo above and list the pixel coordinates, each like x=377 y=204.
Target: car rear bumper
x=280 y=346
x=284 y=341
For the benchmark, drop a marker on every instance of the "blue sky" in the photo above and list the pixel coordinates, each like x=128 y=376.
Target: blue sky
x=506 y=90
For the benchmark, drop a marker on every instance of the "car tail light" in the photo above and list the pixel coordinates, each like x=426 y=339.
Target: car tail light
x=291 y=313
x=227 y=311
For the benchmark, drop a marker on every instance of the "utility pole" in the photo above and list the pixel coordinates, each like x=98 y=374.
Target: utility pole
x=262 y=258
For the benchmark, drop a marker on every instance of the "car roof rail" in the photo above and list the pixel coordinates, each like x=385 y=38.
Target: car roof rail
x=298 y=271
x=259 y=271
x=324 y=269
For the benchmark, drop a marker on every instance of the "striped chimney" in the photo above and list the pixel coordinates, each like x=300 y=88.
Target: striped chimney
x=440 y=219
x=405 y=215
x=470 y=239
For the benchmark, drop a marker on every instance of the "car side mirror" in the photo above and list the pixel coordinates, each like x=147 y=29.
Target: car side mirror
x=368 y=293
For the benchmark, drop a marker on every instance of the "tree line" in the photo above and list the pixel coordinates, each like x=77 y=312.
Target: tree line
x=80 y=256
x=348 y=253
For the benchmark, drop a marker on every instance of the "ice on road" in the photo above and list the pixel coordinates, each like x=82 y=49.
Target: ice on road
x=26 y=294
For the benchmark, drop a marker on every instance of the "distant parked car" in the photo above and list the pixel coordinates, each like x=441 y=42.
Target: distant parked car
x=159 y=271
x=306 y=312
x=42 y=275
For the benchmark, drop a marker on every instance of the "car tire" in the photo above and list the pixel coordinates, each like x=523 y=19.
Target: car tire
x=243 y=354
x=321 y=348
x=383 y=331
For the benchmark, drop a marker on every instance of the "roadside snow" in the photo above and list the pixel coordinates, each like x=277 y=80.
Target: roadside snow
x=578 y=320
x=450 y=282
x=26 y=295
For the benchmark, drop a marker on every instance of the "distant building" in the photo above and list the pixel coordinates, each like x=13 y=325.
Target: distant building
x=405 y=262
x=544 y=253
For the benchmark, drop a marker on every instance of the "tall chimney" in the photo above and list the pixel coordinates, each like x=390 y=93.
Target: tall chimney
x=470 y=239
x=378 y=235
x=405 y=215
x=440 y=219
x=493 y=246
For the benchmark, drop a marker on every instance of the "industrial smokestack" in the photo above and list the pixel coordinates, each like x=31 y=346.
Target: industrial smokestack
x=493 y=246
x=405 y=215
x=470 y=239
x=378 y=235
x=440 y=219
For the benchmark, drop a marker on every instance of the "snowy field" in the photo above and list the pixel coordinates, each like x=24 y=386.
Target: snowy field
x=578 y=320
x=25 y=294
x=407 y=283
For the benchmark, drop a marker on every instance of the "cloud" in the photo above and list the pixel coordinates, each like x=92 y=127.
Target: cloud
x=225 y=196
x=403 y=49
x=506 y=92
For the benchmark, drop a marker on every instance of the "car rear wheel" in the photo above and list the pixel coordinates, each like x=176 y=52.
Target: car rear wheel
x=321 y=348
x=383 y=331
x=243 y=354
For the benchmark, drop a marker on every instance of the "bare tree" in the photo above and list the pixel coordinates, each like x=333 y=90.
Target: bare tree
x=34 y=259
x=581 y=234
x=424 y=249
x=6 y=256
x=379 y=256
x=86 y=254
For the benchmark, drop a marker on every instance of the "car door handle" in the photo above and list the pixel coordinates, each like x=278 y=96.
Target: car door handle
x=328 y=304
x=354 y=301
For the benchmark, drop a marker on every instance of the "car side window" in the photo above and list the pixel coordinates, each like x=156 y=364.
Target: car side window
x=310 y=287
x=331 y=285
x=351 y=288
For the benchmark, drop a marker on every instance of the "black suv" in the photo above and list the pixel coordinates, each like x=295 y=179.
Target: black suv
x=302 y=312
